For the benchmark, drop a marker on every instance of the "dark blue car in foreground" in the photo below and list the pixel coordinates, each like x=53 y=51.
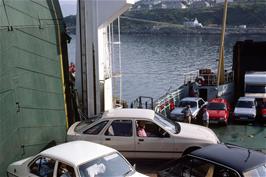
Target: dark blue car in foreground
x=221 y=160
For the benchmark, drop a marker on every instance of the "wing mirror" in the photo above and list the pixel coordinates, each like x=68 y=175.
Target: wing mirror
x=134 y=167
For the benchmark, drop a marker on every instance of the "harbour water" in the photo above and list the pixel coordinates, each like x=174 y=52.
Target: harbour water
x=153 y=65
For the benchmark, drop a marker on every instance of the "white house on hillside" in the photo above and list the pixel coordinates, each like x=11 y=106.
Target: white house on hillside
x=199 y=4
x=193 y=24
x=222 y=1
x=170 y=4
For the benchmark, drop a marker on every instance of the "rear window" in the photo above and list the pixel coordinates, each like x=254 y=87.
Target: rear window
x=96 y=129
x=185 y=103
x=84 y=124
x=216 y=106
x=263 y=105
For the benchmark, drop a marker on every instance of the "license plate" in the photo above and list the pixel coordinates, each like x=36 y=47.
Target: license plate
x=213 y=121
x=242 y=118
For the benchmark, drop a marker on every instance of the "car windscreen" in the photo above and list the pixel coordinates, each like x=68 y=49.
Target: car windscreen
x=109 y=165
x=216 y=106
x=257 y=172
x=255 y=89
x=263 y=105
x=185 y=103
x=245 y=104
x=166 y=123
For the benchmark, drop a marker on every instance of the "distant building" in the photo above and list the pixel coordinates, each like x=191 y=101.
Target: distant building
x=200 y=4
x=174 y=4
x=222 y=1
x=249 y=1
x=193 y=24
x=146 y=4
x=171 y=4
x=242 y=26
x=211 y=2
x=143 y=7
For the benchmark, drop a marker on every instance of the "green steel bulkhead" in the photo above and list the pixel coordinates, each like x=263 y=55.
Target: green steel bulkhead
x=32 y=112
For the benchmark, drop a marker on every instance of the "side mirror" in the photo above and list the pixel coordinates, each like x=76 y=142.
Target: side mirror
x=134 y=167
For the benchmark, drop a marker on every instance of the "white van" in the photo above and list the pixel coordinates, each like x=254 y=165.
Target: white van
x=245 y=109
x=255 y=84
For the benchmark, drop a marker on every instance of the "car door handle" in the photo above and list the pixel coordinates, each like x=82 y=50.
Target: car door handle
x=107 y=139
x=141 y=139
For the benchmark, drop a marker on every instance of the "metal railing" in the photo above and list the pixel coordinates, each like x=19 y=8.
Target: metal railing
x=207 y=77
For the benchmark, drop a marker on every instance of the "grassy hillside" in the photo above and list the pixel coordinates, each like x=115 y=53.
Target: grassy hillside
x=252 y=15
x=238 y=14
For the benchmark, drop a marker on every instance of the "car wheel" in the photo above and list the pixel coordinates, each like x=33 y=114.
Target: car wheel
x=189 y=150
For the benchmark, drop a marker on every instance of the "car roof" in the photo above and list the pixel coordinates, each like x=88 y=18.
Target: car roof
x=218 y=100
x=190 y=99
x=256 y=72
x=129 y=113
x=77 y=152
x=238 y=158
x=246 y=99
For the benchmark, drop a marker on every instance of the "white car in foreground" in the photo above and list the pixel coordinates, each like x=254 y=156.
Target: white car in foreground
x=166 y=139
x=74 y=159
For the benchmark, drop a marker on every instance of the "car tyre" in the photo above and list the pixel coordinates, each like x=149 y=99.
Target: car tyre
x=225 y=123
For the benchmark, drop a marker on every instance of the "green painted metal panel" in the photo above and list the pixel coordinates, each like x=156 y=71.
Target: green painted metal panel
x=9 y=144
x=32 y=110
x=22 y=13
x=3 y=17
x=35 y=99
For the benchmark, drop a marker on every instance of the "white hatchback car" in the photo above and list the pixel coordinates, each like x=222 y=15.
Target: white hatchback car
x=245 y=109
x=74 y=159
x=166 y=139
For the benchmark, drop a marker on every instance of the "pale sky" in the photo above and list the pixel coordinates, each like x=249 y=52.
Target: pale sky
x=69 y=7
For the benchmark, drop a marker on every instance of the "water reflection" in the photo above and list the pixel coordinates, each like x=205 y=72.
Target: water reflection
x=152 y=64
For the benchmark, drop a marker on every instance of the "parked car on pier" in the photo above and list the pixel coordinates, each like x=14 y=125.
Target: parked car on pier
x=195 y=103
x=219 y=110
x=74 y=159
x=119 y=128
x=263 y=111
x=219 y=160
x=245 y=109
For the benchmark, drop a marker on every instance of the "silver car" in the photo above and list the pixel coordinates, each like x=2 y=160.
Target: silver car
x=195 y=105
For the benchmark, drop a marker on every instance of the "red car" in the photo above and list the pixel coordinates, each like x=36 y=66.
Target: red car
x=219 y=110
x=263 y=110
